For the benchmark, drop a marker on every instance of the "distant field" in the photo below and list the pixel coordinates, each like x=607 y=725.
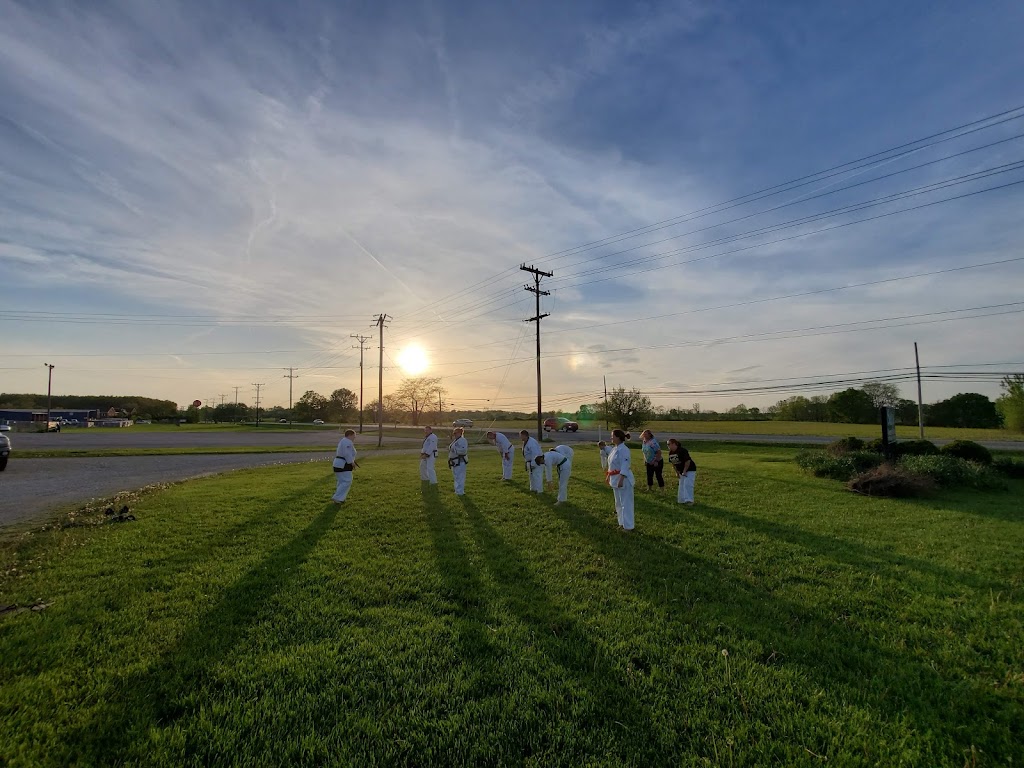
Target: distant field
x=245 y=620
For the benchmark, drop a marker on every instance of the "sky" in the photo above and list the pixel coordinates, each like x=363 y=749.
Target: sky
x=738 y=201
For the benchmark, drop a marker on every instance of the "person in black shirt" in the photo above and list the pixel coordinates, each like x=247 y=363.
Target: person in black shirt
x=686 y=470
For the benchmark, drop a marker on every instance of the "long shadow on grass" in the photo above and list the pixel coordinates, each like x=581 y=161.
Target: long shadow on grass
x=892 y=564
x=161 y=694
x=837 y=655
x=567 y=645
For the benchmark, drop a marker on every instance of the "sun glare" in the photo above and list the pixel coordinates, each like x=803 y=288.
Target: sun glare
x=413 y=360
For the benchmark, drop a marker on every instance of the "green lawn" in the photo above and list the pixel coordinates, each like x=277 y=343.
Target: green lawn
x=245 y=620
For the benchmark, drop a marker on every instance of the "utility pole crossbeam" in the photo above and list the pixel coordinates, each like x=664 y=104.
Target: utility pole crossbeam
x=291 y=376
x=537 y=292
x=362 y=347
x=380 y=323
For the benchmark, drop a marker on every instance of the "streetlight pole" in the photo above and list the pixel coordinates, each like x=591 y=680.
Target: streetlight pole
x=49 y=389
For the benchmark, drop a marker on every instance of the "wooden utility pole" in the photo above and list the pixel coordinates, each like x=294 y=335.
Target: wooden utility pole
x=537 y=292
x=362 y=346
x=291 y=376
x=920 y=405
x=381 y=320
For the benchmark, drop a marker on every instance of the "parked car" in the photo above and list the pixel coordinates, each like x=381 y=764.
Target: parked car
x=462 y=423
x=5 y=447
x=318 y=421
x=282 y=421
x=560 y=425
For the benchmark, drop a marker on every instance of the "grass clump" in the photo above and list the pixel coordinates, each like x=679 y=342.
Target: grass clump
x=893 y=481
x=968 y=450
x=949 y=471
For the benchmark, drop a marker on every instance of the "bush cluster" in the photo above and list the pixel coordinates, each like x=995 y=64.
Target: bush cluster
x=952 y=471
x=845 y=445
x=1009 y=467
x=905 y=447
x=890 y=480
x=824 y=464
x=969 y=450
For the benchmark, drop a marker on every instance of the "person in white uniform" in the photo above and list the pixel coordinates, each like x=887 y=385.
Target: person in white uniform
x=534 y=468
x=559 y=461
x=620 y=478
x=506 y=450
x=606 y=451
x=428 y=454
x=344 y=463
x=458 y=460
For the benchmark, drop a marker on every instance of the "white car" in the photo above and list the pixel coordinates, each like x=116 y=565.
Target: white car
x=318 y=421
x=462 y=423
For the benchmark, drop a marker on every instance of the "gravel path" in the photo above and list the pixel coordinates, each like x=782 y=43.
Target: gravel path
x=30 y=488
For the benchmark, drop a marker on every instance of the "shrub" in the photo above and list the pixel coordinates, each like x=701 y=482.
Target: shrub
x=845 y=445
x=823 y=464
x=969 y=450
x=905 y=447
x=1009 y=467
x=951 y=471
x=890 y=480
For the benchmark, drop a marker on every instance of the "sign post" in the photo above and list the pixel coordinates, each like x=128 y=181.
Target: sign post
x=887 y=416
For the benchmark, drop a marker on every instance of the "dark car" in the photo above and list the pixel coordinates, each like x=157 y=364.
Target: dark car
x=560 y=425
x=5 y=449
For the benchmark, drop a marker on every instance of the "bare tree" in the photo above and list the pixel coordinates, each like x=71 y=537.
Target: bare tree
x=882 y=394
x=415 y=394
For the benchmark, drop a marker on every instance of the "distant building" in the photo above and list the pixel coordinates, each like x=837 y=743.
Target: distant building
x=21 y=415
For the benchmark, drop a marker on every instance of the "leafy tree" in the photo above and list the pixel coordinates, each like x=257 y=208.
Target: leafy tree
x=1011 y=404
x=587 y=412
x=852 y=406
x=882 y=394
x=416 y=393
x=231 y=412
x=967 y=409
x=906 y=412
x=800 y=408
x=342 y=405
x=311 y=405
x=629 y=409
x=739 y=410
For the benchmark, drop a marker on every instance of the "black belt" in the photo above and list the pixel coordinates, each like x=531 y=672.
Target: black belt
x=347 y=468
x=457 y=460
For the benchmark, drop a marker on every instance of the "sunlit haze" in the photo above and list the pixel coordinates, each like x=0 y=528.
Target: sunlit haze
x=196 y=197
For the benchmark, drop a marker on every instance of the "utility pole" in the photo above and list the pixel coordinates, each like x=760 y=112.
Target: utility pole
x=920 y=405
x=606 y=428
x=222 y=399
x=536 y=291
x=381 y=320
x=236 y=395
x=291 y=376
x=49 y=389
x=258 y=402
x=362 y=346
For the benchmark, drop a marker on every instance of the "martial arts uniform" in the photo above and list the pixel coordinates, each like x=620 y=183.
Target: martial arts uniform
x=507 y=455
x=618 y=469
x=531 y=451
x=428 y=454
x=559 y=460
x=344 y=463
x=605 y=453
x=458 y=458
x=687 y=478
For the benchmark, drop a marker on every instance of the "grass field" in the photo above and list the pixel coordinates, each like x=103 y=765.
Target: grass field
x=245 y=620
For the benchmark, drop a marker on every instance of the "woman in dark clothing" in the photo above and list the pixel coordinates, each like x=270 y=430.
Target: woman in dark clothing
x=686 y=470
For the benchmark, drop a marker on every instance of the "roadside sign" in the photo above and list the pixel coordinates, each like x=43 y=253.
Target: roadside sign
x=197 y=403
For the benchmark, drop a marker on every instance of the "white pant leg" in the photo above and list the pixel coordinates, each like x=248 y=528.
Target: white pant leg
x=547 y=469
x=506 y=467
x=344 y=484
x=427 y=471
x=537 y=479
x=682 y=489
x=618 y=504
x=459 y=476
x=686 y=486
x=563 y=481
x=626 y=495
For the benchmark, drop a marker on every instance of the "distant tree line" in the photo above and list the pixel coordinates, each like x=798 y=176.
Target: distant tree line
x=129 y=406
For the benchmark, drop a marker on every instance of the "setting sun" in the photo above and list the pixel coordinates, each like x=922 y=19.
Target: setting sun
x=413 y=360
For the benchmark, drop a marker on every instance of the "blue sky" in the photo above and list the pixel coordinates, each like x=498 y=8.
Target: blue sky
x=209 y=193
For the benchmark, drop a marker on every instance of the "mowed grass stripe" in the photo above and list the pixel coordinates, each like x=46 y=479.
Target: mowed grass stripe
x=245 y=620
